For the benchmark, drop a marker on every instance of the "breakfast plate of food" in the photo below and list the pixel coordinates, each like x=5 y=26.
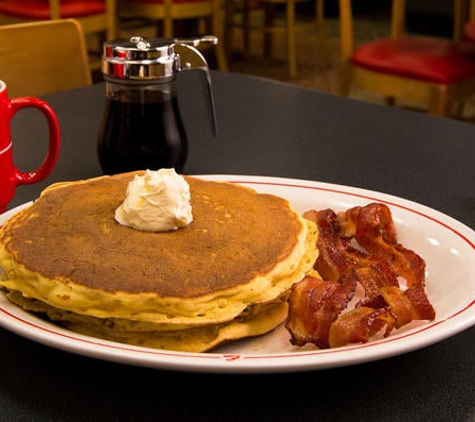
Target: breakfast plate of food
x=252 y=275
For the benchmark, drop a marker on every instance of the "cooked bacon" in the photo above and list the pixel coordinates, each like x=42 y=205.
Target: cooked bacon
x=373 y=228
x=332 y=260
x=314 y=305
x=373 y=277
x=421 y=307
x=358 y=247
x=372 y=221
x=408 y=305
x=359 y=325
x=399 y=303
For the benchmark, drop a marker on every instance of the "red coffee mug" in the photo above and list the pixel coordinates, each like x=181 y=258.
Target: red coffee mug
x=10 y=176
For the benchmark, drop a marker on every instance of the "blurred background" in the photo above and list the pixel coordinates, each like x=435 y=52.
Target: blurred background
x=254 y=38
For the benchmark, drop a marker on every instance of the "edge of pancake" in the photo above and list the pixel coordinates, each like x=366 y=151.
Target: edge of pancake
x=64 y=294
x=201 y=339
x=260 y=320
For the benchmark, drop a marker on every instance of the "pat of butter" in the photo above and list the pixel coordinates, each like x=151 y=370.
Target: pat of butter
x=157 y=201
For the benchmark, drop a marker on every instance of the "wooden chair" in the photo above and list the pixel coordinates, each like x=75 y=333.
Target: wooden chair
x=44 y=57
x=166 y=14
x=428 y=70
x=97 y=17
x=269 y=25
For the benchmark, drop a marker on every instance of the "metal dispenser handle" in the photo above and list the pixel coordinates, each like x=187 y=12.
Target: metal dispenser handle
x=189 y=58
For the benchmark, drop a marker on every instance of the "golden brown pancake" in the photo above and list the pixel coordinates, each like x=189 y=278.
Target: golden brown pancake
x=260 y=320
x=242 y=251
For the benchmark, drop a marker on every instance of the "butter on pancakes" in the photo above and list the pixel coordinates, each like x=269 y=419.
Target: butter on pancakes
x=224 y=276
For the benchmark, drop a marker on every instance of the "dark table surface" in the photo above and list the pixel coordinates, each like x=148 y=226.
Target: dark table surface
x=270 y=129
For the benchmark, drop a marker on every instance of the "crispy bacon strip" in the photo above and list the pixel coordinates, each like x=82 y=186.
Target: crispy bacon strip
x=373 y=227
x=421 y=307
x=314 y=305
x=409 y=305
x=360 y=324
x=369 y=222
x=332 y=260
x=358 y=247
x=373 y=277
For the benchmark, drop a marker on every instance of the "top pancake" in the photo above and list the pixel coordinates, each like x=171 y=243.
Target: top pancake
x=238 y=239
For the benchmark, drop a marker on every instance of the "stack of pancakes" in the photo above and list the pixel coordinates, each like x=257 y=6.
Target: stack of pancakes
x=225 y=276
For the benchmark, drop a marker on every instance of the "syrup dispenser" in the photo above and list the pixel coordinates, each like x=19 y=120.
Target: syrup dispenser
x=142 y=126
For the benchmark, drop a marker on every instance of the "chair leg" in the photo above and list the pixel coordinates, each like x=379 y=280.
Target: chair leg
x=216 y=23
x=345 y=79
x=269 y=17
x=168 y=28
x=222 y=62
x=228 y=32
x=389 y=100
x=439 y=104
x=458 y=110
x=291 y=48
x=230 y=9
x=246 y=31
x=321 y=32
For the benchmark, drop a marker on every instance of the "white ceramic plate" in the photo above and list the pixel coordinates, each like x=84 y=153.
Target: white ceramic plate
x=447 y=246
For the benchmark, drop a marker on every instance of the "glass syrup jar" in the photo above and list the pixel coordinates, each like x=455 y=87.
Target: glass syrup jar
x=142 y=126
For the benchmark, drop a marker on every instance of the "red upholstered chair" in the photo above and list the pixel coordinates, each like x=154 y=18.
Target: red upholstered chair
x=96 y=17
x=166 y=13
x=429 y=70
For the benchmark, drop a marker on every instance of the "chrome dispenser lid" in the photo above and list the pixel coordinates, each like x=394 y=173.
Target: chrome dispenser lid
x=140 y=58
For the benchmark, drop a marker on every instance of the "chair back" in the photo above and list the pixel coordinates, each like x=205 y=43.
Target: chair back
x=43 y=57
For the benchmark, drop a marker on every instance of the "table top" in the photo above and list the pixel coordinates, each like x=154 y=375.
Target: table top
x=270 y=129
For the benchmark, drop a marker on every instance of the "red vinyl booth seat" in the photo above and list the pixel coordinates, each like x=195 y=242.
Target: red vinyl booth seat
x=40 y=10
x=161 y=1
x=425 y=59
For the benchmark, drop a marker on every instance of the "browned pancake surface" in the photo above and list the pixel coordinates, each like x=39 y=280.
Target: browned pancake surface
x=70 y=233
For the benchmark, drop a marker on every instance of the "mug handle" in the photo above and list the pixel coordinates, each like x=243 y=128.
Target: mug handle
x=23 y=178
